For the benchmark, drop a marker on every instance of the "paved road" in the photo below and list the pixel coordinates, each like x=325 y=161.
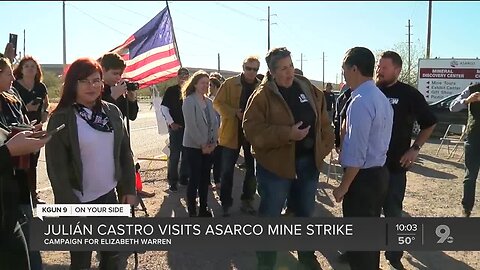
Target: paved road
x=146 y=142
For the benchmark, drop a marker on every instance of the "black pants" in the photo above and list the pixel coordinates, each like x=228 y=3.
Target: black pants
x=393 y=205
x=13 y=249
x=229 y=158
x=217 y=164
x=200 y=165
x=32 y=176
x=365 y=198
x=109 y=260
x=472 y=166
x=176 y=150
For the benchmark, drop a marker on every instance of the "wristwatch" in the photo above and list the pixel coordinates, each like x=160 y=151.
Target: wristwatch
x=415 y=147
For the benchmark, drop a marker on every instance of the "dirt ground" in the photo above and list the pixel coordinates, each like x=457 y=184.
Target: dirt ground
x=434 y=189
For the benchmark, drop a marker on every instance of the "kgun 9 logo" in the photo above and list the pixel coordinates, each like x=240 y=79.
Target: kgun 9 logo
x=443 y=231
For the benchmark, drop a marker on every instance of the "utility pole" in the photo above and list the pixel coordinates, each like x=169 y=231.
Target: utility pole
x=268 y=26
x=301 y=61
x=218 y=59
x=23 y=42
x=429 y=28
x=64 y=39
x=323 y=70
x=409 y=49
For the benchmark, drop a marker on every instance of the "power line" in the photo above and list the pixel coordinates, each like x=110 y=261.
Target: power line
x=238 y=11
x=95 y=19
x=192 y=17
x=255 y=7
x=129 y=10
x=217 y=41
x=295 y=38
x=111 y=18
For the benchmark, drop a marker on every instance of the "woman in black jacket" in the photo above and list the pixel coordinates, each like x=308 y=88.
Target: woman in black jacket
x=13 y=248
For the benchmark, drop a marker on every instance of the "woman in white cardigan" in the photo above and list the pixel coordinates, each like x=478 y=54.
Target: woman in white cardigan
x=199 y=140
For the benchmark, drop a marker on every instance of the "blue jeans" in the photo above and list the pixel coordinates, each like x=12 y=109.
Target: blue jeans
x=229 y=158
x=176 y=148
x=393 y=205
x=274 y=190
x=472 y=165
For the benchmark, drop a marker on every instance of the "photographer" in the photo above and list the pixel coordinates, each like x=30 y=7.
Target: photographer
x=115 y=89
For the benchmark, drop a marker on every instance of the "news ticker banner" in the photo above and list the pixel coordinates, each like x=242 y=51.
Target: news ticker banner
x=242 y=233
x=83 y=210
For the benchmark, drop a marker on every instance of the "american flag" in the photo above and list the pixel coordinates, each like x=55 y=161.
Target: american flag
x=150 y=53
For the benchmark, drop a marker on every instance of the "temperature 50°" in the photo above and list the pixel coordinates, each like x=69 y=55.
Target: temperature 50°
x=405 y=240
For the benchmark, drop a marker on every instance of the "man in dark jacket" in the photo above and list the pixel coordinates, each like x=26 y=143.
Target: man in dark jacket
x=330 y=100
x=172 y=111
x=341 y=106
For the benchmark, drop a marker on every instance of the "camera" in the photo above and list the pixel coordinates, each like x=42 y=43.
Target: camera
x=37 y=101
x=132 y=86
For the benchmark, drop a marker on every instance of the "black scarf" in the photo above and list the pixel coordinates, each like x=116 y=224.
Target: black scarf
x=98 y=120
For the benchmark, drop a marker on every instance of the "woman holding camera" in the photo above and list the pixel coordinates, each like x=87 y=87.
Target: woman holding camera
x=90 y=160
x=28 y=83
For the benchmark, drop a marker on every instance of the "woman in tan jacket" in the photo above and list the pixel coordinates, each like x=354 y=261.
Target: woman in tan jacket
x=286 y=122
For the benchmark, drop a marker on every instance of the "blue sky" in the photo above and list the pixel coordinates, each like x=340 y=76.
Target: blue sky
x=236 y=29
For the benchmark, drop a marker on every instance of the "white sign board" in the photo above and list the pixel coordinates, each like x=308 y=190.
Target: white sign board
x=440 y=78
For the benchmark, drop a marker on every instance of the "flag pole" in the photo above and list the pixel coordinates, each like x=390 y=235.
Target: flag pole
x=173 y=32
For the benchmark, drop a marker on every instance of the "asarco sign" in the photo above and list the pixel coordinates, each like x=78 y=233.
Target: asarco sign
x=440 y=78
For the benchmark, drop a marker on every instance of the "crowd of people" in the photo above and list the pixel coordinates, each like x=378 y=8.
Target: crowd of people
x=281 y=116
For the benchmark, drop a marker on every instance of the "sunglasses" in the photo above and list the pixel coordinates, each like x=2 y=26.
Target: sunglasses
x=250 y=69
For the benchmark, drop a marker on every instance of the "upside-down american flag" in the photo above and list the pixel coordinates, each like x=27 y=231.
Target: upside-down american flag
x=150 y=53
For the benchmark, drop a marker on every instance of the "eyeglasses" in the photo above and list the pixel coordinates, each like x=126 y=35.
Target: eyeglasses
x=94 y=82
x=251 y=69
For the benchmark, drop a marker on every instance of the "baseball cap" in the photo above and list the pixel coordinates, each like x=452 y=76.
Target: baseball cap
x=183 y=72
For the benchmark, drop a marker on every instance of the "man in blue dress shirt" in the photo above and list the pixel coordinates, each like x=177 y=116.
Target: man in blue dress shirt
x=366 y=135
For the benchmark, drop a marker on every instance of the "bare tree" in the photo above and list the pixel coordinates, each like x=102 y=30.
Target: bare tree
x=416 y=52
